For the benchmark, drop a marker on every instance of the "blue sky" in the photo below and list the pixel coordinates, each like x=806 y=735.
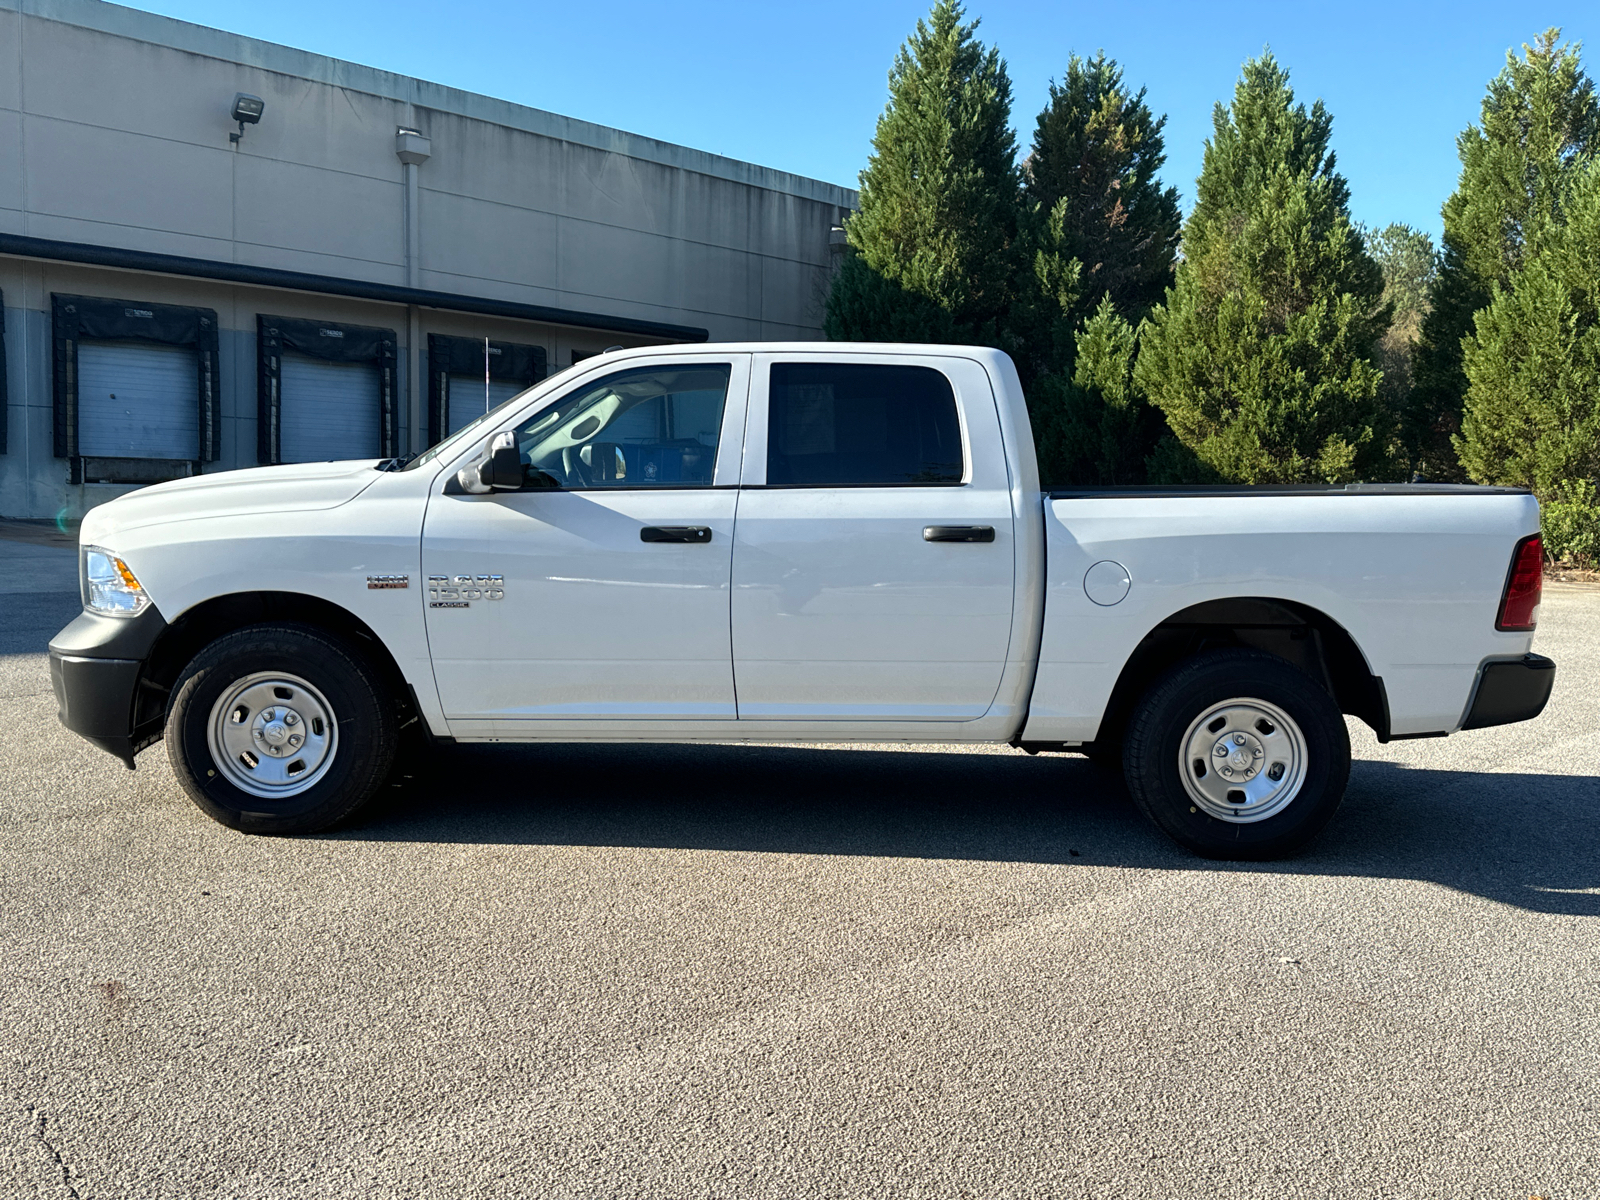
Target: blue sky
x=799 y=86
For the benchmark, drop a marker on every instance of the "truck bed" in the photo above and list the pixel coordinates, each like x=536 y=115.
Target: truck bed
x=1413 y=573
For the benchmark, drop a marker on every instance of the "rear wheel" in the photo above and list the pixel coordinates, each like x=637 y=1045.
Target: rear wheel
x=279 y=729
x=1237 y=754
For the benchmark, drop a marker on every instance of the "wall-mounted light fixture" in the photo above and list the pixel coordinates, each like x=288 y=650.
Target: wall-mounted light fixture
x=247 y=110
x=412 y=146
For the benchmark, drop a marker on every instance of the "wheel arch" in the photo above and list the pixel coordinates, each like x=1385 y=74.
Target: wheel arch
x=202 y=624
x=1303 y=636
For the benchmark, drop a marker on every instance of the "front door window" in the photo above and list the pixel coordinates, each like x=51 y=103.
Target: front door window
x=650 y=427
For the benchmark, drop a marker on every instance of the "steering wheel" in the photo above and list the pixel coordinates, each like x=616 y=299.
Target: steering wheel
x=572 y=463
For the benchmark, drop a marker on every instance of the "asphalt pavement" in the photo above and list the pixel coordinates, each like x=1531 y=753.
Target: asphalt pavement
x=725 y=971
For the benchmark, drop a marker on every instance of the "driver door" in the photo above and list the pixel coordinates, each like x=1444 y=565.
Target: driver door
x=599 y=592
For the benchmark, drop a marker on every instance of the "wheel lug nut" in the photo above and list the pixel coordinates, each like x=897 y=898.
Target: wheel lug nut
x=1238 y=739
x=289 y=718
x=1228 y=771
x=1221 y=751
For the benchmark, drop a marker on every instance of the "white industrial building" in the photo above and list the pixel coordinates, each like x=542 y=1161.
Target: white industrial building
x=179 y=298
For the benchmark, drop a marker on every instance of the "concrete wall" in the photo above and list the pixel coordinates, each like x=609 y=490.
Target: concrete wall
x=114 y=132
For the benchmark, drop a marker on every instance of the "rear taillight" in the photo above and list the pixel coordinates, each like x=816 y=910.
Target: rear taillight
x=1519 y=606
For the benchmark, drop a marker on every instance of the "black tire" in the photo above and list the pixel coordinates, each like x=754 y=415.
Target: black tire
x=1168 y=714
x=362 y=728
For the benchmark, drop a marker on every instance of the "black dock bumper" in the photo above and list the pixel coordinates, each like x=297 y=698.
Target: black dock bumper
x=1510 y=690
x=95 y=664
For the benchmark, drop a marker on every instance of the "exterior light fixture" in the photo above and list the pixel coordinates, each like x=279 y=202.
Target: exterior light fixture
x=412 y=146
x=247 y=110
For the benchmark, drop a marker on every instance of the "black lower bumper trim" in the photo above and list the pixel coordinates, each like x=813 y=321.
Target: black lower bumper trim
x=1511 y=690
x=95 y=700
x=95 y=664
x=97 y=635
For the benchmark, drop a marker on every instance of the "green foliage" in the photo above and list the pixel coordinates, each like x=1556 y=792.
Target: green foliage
x=1092 y=173
x=1041 y=327
x=1409 y=264
x=1094 y=428
x=1533 y=361
x=1101 y=233
x=1539 y=119
x=933 y=253
x=1571 y=526
x=1262 y=356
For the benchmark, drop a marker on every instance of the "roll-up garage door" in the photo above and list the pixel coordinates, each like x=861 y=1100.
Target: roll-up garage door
x=330 y=410
x=137 y=399
x=466 y=397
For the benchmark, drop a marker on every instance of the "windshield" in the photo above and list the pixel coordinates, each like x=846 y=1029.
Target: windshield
x=466 y=433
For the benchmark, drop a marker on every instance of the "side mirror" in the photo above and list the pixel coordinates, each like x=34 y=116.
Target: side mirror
x=501 y=471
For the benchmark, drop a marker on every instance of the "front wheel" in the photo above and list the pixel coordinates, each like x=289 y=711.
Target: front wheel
x=279 y=729
x=1236 y=754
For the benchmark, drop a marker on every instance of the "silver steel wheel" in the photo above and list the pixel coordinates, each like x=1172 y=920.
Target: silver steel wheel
x=272 y=735
x=1242 y=760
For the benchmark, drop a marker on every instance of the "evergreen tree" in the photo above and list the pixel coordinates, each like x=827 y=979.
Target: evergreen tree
x=1101 y=232
x=1094 y=428
x=1096 y=151
x=1262 y=356
x=933 y=253
x=1409 y=264
x=1533 y=361
x=1539 y=118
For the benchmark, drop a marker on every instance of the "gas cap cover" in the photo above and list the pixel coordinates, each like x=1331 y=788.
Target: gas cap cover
x=1107 y=582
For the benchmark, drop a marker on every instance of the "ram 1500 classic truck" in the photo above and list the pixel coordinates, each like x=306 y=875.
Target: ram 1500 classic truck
x=792 y=542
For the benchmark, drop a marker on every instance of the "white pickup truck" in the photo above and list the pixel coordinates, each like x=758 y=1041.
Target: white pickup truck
x=784 y=543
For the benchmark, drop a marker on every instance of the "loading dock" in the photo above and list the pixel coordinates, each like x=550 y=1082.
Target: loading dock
x=136 y=389
x=469 y=376
x=326 y=390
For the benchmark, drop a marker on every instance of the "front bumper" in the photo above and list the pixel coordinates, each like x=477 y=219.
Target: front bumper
x=1511 y=690
x=95 y=667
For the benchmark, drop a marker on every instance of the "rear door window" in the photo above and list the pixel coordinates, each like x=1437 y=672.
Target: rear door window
x=861 y=425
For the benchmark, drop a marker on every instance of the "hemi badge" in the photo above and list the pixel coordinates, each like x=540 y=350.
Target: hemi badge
x=388 y=581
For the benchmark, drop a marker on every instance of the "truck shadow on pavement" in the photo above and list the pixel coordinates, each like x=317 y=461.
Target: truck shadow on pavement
x=1532 y=841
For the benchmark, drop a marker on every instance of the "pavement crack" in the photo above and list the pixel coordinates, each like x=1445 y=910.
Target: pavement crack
x=40 y=1124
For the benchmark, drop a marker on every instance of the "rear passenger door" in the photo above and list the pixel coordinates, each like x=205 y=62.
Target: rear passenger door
x=873 y=555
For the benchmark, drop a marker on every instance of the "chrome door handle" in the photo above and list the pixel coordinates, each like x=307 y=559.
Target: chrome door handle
x=958 y=533
x=689 y=534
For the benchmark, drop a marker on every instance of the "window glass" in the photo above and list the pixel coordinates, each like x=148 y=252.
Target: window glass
x=467 y=398
x=651 y=426
x=860 y=425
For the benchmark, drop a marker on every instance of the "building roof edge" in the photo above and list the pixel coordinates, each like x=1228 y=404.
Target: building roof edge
x=121 y=21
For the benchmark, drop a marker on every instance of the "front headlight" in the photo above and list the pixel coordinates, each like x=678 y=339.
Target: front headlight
x=108 y=586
